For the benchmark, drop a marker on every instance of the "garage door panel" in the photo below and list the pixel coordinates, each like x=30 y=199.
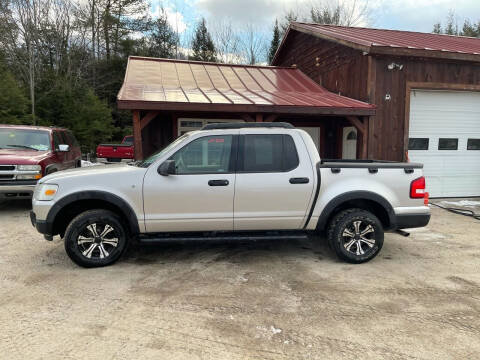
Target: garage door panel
x=447 y=114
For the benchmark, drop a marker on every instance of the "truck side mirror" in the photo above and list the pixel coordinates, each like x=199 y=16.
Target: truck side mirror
x=63 y=148
x=167 y=168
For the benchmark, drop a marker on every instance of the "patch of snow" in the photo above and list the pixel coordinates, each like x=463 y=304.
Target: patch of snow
x=466 y=203
x=88 y=163
x=274 y=330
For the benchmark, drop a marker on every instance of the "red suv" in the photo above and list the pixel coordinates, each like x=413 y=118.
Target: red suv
x=28 y=153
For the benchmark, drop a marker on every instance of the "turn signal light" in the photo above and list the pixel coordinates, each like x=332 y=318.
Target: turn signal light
x=50 y=192
x=417 y=188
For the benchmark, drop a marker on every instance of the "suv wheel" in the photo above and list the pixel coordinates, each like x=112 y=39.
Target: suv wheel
x=356 y=235
x=95 y=238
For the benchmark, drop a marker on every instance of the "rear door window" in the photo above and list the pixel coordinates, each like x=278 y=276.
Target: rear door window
x=268 y=153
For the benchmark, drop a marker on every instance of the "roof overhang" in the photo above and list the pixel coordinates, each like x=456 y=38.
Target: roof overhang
x=179 y=86
x=375 y=49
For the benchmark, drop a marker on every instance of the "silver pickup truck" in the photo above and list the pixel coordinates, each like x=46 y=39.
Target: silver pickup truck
x=241 y=181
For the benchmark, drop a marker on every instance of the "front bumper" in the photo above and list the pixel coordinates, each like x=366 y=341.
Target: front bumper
x=23 y=188
x=42 y=226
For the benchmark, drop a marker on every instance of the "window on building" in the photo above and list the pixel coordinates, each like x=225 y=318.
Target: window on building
x=447 y=144
x=473 y=144
x=352 y=135
x=268 y=153
x=209 y=154
x=189 y=124
x=418 y=144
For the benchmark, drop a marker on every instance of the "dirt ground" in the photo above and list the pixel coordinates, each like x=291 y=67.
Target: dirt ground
x=419 y=299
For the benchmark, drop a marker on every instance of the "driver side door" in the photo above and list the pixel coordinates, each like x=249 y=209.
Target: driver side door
x=199 y=197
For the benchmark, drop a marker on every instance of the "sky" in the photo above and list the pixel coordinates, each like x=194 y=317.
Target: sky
x=414 y=15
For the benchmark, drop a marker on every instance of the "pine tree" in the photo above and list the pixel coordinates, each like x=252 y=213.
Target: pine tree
x=13 y=102
x=275 y=42
x=202 y=44
x=437 y=28
x=163 y=39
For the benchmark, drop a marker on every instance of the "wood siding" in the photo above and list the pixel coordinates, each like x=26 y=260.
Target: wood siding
x=349 y=72
x=340 y=69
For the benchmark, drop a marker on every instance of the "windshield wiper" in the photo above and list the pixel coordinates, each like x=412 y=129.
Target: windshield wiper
x=23 y=147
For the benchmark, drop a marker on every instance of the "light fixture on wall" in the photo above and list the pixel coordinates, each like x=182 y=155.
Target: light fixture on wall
x=393 y=66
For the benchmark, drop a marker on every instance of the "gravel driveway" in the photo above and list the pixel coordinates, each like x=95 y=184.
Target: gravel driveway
x=419 y=299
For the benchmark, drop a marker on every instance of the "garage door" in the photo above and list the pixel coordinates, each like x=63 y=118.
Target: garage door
x=444 y=135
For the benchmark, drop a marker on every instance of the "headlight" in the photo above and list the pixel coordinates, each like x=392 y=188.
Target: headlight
x=45 y=192
x=29 y=167
x=29 y=177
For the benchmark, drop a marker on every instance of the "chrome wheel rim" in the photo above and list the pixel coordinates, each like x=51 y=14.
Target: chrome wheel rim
x=358 y=237
x=97 y=240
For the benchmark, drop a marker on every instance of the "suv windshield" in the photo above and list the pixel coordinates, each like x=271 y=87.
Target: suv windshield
x=24 y=139
x=146 y=163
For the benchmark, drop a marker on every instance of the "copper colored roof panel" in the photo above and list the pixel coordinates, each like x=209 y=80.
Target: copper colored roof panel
x=394 y=39
x=164 y=84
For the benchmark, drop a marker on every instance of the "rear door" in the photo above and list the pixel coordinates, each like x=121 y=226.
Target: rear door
x=274 y=183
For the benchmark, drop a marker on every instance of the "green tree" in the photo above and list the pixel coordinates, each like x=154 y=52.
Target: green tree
x=437 y=28
x=13 y=102
x=75 y=106
x=469 y=29
x=275 y=42
x=202 y=44
x=163 y=40
x=326 y=15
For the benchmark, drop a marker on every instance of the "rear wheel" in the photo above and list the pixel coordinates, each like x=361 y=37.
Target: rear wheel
x=95 y=238
x=356 y=235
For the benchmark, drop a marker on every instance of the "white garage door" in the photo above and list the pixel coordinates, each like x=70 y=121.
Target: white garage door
x=444 y=135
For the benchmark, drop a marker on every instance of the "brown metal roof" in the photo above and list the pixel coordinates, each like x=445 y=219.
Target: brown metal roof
x=164 y=84
x=396 y=41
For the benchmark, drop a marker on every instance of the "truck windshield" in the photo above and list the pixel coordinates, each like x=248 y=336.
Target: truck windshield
x=24 y=139
x=146 y=163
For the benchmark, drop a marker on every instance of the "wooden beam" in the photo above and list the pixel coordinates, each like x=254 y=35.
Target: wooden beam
x=365 y=137
x=271 y=118
x=259 y=118
x=137 y=135
x=147 y=118
x=357 y=123
x=248 y=118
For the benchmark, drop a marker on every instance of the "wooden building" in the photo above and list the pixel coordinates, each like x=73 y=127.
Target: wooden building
x=170 y=97
x=426 y=89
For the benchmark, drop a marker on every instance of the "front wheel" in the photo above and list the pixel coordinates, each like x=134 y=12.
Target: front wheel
x=356 y=235
x=95 y=238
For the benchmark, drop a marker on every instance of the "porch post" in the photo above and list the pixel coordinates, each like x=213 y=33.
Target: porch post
x=137 y=135
x=362 y=139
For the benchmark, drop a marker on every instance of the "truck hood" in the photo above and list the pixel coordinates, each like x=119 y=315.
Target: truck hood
x=116 y=171
x=22 y=157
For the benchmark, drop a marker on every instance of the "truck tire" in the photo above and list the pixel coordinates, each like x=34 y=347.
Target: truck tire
x=95 y=238
x=356 y=235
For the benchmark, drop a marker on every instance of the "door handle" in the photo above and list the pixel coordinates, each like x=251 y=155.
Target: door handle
x=299 y=180
x=218 y=182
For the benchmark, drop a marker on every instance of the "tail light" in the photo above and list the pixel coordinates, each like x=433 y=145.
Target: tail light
x=417 y=188
x=425 y=199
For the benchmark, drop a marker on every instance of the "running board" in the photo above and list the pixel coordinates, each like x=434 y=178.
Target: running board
x=221 y=236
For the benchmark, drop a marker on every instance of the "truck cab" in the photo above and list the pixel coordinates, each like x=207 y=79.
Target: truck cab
x=28 y=153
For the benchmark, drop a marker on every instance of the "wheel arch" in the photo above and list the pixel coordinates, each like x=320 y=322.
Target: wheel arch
x=365 y=200
x=72 y=205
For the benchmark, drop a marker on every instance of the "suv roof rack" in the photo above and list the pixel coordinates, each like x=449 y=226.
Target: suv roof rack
x=216 y=126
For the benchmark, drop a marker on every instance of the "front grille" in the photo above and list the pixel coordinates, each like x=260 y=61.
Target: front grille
x=6 y=177
x=7 y=167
